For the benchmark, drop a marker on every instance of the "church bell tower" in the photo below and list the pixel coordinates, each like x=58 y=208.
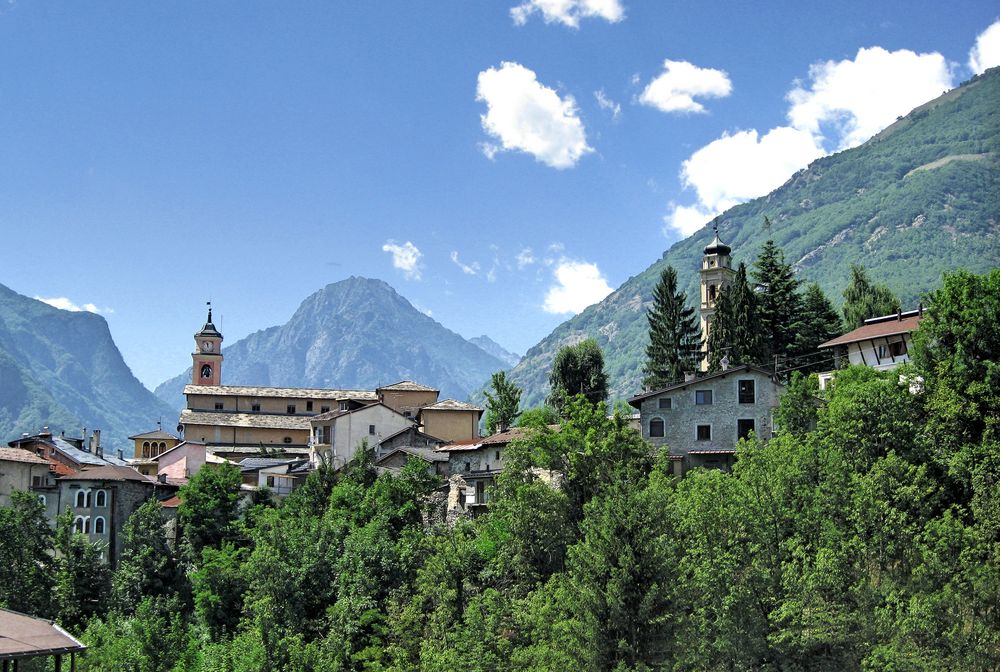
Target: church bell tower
x=206 y=368
x=716 y=273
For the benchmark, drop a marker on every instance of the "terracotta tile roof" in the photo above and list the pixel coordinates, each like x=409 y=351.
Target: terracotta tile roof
x=878 y=328
x=23 y=635
x=109 y=473
x=155 y=434
x=450 y=405
x=263 y=420
x=20 y=455
x=284 y=392
x=407 y=386
x=171 y=503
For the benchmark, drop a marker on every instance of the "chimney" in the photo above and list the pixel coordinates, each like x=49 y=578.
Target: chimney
x=920 y=308
x=724 y=362
x=95 y=443
x=121 y=455
x=689 y=376
x=899 y=314
x=83 y=440
x=162 y=478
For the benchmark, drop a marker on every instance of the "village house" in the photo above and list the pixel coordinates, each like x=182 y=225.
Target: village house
x=700 y=420
x=22 y=470
x=435 y=460
x=280 y=475
x=337 y=435
x=180 y=463
x=882 y=343
x=478 y=462
x=148 y=446
x=68 y=455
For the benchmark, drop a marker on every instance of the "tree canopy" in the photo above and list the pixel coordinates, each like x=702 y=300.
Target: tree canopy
x=674 y=335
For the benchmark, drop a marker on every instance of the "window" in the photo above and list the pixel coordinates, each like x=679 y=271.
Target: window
x=90 y=501
x=99 y=525
x=36 y=481
x=78 y=524
x=656 y=428
x=86 y=524
x=371 y=430
x=704 y=432
x=345 y=406
x=468 y=466
x=497 y=456
x=81 y=499
x=291 y=409
x=743 y=428
x=102 y=498
x=218 y=405
x=711 y=293
x=703 y=397
x=897 y=348
x=145 y=449
x=324 y=409
x=407 y=414
x=255 y=408
x=665 y=403
x=270 y=481
x=206 y=371
x=747 y=392
x=287 y=439
x=309 y=406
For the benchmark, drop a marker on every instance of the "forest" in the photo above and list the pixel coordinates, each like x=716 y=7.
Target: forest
x=865 y=535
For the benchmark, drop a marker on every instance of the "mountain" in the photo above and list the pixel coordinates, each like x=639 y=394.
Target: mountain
x=493 y=348
x=357 y=333
x=62 y=369
x=919 y=198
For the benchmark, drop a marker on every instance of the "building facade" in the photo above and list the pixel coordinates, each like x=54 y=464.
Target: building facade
x=882 y=343
x=22 y=470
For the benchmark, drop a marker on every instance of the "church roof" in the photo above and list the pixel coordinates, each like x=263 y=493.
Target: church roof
x=283 y=392
x=262 y=420
x=209 y=328
x=408 y=386
x=450 y=405
x=155 y=434
x=717 y=246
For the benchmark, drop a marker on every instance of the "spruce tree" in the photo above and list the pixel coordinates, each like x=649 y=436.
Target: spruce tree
x=863 y=300
x=818 y=323
x=778 y=302
x=502 y=403
x=735 y=332
x=674 y=335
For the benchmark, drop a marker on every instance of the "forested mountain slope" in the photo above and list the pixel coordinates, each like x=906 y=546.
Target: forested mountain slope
x=919 y=198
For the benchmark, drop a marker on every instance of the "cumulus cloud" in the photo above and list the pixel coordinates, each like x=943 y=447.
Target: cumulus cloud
x=405 y=257
x=858 y=98
x=524 y=115
x=525 y=258
x=568 y=12
x=608 y=105
x=849 y=100
x=63 y=303
x=578 y=284
x=468 y=269
x=680 y=83
x=985 y=53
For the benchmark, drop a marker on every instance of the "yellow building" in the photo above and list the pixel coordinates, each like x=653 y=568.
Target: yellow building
x=149 y=446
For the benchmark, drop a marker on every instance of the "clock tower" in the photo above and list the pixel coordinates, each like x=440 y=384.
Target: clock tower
x=716 y=273
x=206 y=368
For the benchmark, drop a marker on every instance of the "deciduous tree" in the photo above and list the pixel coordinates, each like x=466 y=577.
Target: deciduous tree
x=502 y=403
x=578 y=369
x=863 y=300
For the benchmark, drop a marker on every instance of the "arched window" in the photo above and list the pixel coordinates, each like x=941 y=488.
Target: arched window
x=711 y=292
x=206 y=371
x=78 y=524
x=163 y=448
x=99 y=525
x=145 y=449
x=656 y=427
x=81 y=499
x=102 y=498
x=86 y=524
x=90 y=501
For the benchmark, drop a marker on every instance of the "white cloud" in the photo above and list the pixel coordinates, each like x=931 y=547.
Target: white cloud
x=686 y=219
x=523 y=114
x=63 y=303
x=525 y=258
x=676 y=88
x=607 y=104
x=466 y=268
x=568 y=12
x=858 y=98
x=578 y=285
x=405 y=257
x=986 y=51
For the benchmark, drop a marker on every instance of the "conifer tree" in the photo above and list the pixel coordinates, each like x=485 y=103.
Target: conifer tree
x=735 y=332
x=818 y=322
x=674 y=336
x=502 y=403
x=863 y=300
x=778 y=302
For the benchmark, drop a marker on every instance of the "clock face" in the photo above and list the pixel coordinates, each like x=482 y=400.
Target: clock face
x=207 y=346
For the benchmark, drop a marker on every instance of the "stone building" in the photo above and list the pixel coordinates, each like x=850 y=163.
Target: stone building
x=68 y=455
x=22 y=470
x=701 y=419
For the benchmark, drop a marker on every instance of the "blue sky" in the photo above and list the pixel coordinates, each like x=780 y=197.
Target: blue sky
x=501 y=164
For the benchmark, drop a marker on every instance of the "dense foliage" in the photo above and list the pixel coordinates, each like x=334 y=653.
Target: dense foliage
x=503 y=401
x=578 y=369
x=674 y=334
x=863 y=536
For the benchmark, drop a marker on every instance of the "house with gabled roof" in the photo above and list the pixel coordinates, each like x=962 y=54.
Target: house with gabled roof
x=337 y=435
x=68 y=455
x=700 y=420
x=882 y=343
x=21 y=470
x=450 y=419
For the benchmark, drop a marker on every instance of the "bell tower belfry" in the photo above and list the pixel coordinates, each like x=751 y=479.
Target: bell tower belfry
x=206 y=366
x=716 y=273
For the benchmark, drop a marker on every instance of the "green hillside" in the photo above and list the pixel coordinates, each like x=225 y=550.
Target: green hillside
x=62 y=369
x=921 y=197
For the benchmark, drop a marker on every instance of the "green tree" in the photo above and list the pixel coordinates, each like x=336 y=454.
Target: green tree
x=818 y=323
x=502 y=403
x=218 y=586
x=778 y=302
x=83 y=578
x=734 y=333
x=674 y=335
x=207 y=514
x=146 y=566
x=26 y=563
x=797 y=411
x=863 y=300
x=578 y=369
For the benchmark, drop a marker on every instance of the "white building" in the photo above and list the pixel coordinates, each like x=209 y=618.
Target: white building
x=882 y=343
